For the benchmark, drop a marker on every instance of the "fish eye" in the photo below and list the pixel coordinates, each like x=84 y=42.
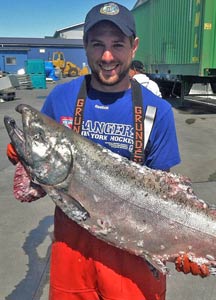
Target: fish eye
x=38 y=136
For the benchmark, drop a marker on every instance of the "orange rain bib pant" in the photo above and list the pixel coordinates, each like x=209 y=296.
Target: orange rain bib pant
x=86 y=268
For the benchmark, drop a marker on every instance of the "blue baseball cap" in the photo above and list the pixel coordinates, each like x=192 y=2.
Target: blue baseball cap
x=113 y=12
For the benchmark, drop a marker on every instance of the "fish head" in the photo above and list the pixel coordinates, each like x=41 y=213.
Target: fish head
x=42 y=146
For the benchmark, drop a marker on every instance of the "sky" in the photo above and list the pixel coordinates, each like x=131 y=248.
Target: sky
x=40 y=18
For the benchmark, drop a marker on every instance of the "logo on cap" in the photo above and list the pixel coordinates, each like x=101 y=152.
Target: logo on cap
x=110 y=9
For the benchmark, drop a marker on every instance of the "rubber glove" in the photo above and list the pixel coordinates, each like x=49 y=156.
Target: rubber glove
x=12 y=154
x=185 y=264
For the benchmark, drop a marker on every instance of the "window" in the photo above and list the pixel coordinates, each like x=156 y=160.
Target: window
x=10 y=60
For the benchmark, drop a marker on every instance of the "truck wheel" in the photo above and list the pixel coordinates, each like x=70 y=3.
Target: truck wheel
x=73 y=72
x=213 y=86
x=165 y=92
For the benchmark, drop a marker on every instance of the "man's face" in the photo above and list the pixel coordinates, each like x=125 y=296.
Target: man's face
x=109 y=54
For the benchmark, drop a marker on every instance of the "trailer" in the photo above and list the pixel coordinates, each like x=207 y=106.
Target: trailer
x=177 y=44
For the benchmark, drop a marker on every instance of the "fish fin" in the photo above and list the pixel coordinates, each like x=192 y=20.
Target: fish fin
x=156 y=264
x=70 y=206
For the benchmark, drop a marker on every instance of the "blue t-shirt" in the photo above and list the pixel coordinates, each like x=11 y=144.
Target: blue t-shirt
x=108 y=120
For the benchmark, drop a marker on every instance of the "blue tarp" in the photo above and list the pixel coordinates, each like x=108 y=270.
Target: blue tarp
x=50 y=70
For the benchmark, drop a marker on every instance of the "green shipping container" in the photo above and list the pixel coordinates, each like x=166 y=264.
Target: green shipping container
x=177 y=35
x=35 y=66
x=38 y=81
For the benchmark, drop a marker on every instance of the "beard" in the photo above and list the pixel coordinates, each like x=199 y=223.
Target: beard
x=111 y=80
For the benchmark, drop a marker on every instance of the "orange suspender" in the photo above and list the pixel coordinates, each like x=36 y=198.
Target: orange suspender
x=138 y=154
x=80 y=103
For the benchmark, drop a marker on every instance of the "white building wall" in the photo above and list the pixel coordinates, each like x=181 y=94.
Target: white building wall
x=72 y=34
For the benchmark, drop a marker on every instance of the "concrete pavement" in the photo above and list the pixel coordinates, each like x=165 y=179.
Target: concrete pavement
x=26 y=228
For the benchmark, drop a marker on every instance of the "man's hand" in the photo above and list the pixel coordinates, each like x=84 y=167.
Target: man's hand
x=12 y=154
x=186 y=264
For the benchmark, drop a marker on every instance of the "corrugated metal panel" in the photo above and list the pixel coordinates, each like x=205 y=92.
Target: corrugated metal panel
x=171 y=32
x=209 y=36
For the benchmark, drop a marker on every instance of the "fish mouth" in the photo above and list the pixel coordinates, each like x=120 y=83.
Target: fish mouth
x=17 y=138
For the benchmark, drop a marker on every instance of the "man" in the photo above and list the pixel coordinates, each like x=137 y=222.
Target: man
x=137 y=71
x=83 y=267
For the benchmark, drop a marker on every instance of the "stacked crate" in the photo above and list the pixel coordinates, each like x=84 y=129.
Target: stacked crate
x=35 y=68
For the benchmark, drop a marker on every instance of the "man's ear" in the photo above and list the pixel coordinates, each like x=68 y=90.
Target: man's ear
x=135 y=46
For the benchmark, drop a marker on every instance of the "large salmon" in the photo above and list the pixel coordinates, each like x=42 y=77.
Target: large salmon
x=153 y=214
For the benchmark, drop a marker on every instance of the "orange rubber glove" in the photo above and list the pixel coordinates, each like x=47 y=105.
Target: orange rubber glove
x=12 y=154
x=184 y=264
